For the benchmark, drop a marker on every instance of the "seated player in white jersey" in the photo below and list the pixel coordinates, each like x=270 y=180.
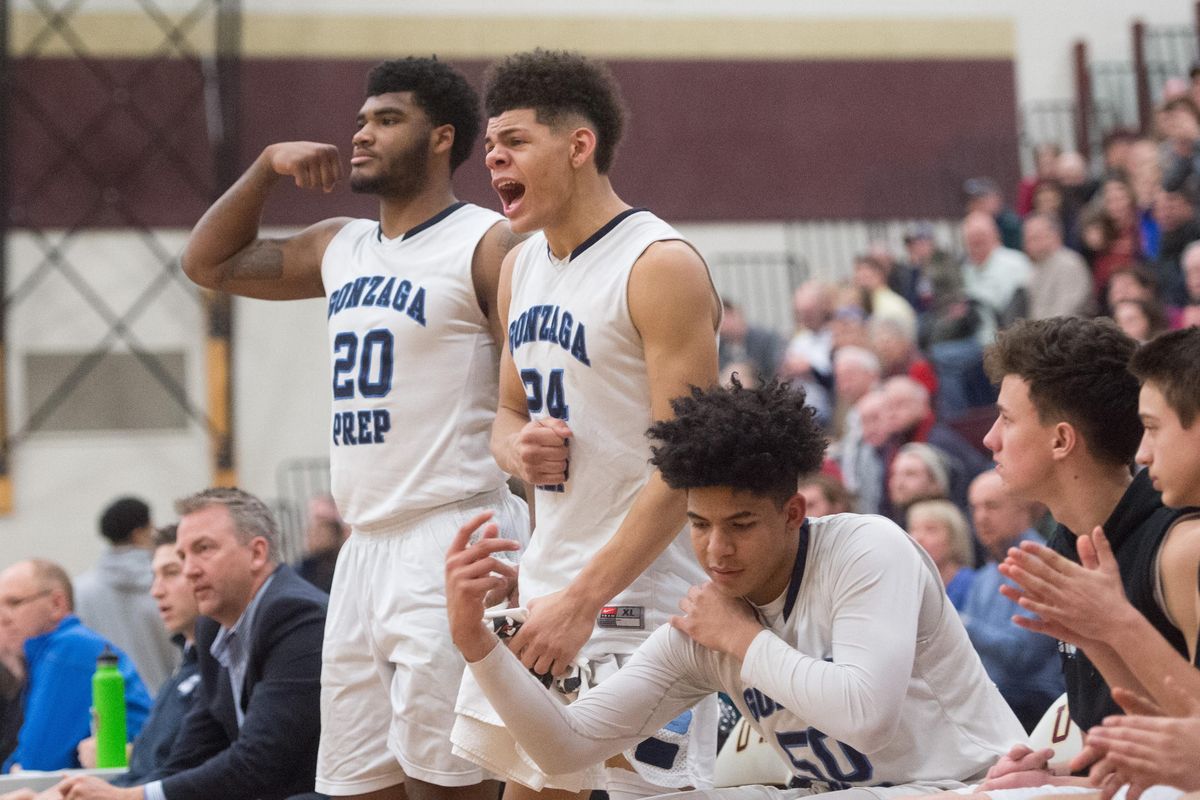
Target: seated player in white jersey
x=610 y=313
x=413 y=331
x=833 y=636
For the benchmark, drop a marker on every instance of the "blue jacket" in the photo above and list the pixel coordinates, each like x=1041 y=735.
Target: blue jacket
x=1024 y=665
x=273 y=755
x=58 y=696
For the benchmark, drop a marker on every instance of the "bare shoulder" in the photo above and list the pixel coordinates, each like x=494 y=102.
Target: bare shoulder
x=494 y=250
x=500 y=239
x=1183 y=540
x=491 y=268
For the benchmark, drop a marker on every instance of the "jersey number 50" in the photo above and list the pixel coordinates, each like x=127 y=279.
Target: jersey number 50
x=374 y=366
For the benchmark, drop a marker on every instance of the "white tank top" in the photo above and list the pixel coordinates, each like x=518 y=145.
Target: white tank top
x=581 y=360
x=415 y=370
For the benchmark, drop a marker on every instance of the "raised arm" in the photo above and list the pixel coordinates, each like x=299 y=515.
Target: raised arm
x=225 y=252
x=675 y=309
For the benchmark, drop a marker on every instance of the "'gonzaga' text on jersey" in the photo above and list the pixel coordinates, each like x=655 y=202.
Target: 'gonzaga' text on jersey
x=415 y=369
x=581 y=359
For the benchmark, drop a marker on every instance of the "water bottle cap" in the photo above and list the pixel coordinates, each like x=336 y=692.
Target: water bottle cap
x=107 y=657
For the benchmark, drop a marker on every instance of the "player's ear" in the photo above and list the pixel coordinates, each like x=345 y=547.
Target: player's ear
x=796 y=508
x=583 y=146
x=441 y=138
x=1065 y=440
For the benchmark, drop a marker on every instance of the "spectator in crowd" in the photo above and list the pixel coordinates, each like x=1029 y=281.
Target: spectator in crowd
x=1023 y=665
x=898 y=354
x=1078 y=190
x=879 y=301
x=902 y=278
x=984 y=197
x=1060 y=285
x=941 y=530
x=918 y=472
x=1189 y=314
x=1178 y=226
x=951 y=330
x=824 y=495
x=1045 y=161
x=860 y=456
x=756 y=352
x=808 y=361
x=37 y=604
x=113 y=599
x=177 y=608
x=253 y=729
x=994 y=276
x=1116 y=146
x=1145 y=177
x=12 y=684
x=910 y=418
x=1141 y=320
x=1180 y=119
x=856 y=371
x=1132 y=283
x=925 y=262
x=324 y=536
x=1050 y=199
x=1111 y=233
x=849 y=323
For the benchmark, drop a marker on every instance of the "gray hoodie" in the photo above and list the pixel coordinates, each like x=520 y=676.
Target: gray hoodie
x=114 y=600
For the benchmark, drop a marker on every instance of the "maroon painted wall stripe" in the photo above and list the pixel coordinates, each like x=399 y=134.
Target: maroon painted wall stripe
x=708 y=140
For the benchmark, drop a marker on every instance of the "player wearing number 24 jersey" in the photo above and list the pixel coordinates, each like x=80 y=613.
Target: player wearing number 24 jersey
x=609 y=313
x=833 y=636
x=413 y=333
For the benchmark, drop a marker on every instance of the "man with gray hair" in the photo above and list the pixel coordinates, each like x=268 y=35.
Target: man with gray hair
x=255 y=721
x=855 y=372
x=1061 y=285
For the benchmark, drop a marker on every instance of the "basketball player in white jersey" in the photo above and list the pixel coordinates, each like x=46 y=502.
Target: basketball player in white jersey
x=413 y=331
x=610 y=313
x=833 y=636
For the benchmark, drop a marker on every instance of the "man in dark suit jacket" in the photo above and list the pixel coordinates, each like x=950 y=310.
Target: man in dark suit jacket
x=253 y=730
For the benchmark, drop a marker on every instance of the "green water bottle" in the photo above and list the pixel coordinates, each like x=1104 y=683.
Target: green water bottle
x=108 y=704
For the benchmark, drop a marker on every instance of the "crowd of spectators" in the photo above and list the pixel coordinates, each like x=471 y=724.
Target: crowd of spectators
x=892 y=359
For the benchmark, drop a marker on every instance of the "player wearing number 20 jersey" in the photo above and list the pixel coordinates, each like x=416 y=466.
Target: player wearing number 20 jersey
x=413 y=331
x=414 y=368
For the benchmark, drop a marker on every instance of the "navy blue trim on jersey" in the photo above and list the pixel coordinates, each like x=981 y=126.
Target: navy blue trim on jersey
x=429 y=223
x=600 y=234
x=797 y=571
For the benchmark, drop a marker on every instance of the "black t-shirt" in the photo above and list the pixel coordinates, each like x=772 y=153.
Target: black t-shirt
x=1135 y=529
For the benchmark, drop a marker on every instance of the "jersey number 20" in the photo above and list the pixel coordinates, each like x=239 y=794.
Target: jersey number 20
x=374 y=366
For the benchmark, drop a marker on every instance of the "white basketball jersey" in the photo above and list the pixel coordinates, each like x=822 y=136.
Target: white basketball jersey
x=581 y=360
x=862 y=581
x=415 y=370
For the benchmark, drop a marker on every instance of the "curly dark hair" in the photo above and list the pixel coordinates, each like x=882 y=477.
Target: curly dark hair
x=1077 y=371
x=755 y=440
x=555 y=83
x=440 y=90
x=1171 y=362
